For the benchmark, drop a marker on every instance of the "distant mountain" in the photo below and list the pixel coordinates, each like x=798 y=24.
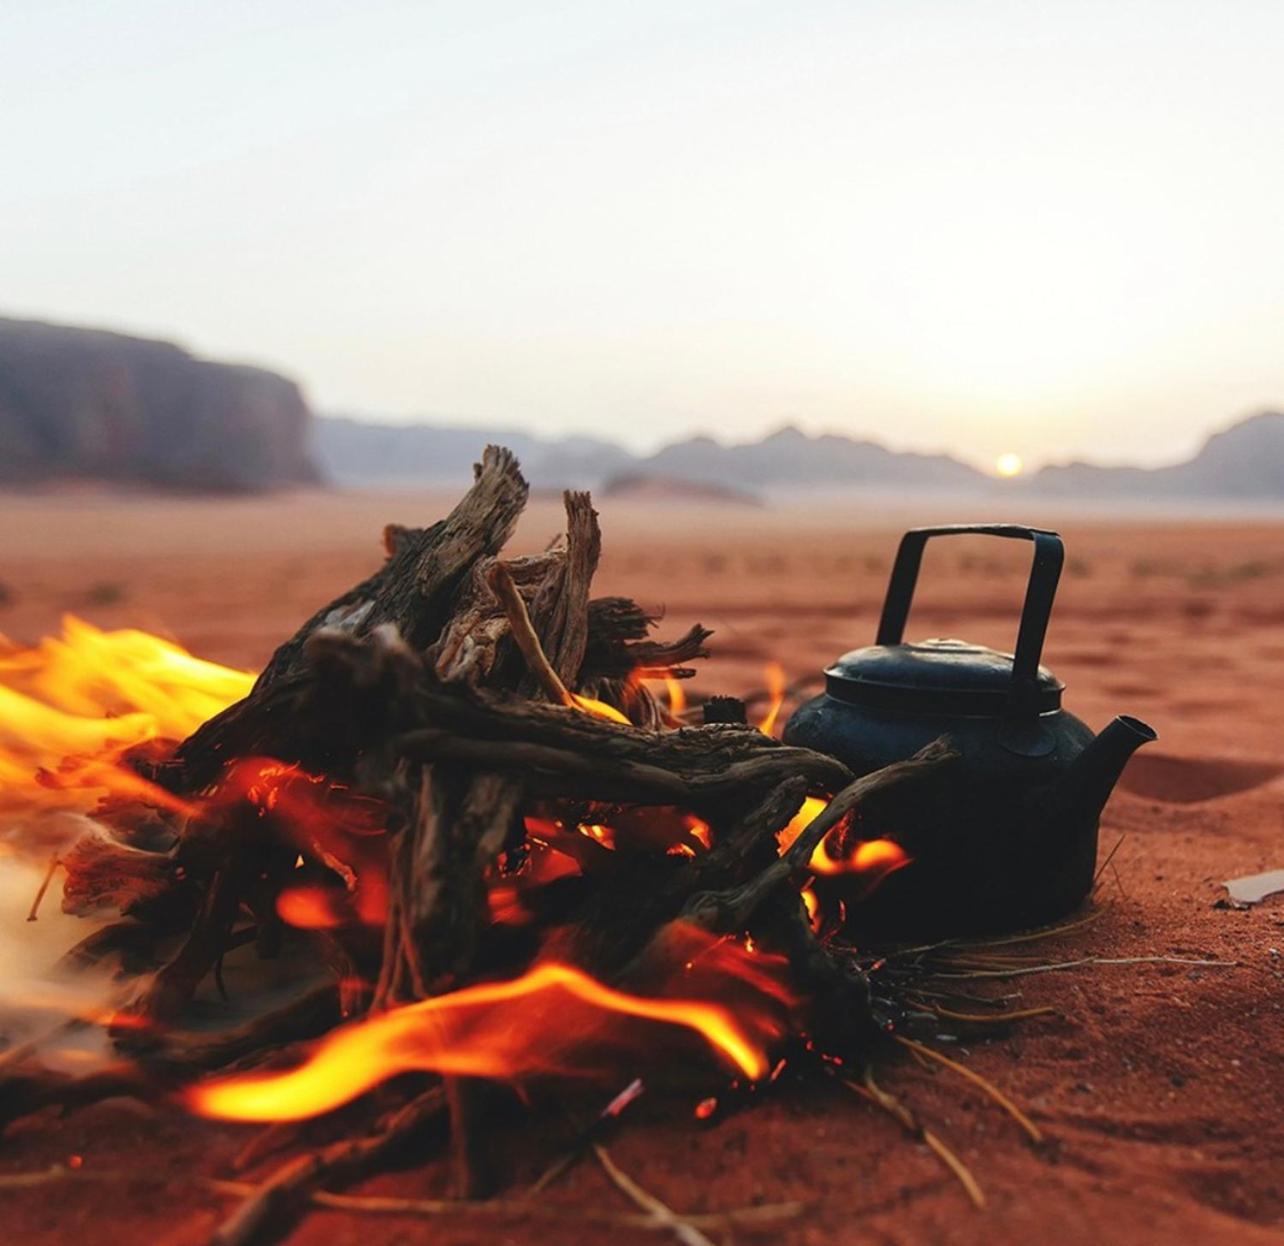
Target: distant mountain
x=790 y=457
x=353 y=452
x=87 y=404
x=1244 y=461
x=84 y=403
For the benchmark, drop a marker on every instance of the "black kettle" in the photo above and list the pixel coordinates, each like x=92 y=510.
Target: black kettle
x=1005 y=836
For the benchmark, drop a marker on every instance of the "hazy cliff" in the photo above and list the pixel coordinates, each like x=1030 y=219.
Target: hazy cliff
x=83 y=403
x=1243 y=462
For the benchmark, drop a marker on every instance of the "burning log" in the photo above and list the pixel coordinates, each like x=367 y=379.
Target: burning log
x=455 y=776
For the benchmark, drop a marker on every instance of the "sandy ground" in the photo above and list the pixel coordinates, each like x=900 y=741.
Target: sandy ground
x=1161 y=1087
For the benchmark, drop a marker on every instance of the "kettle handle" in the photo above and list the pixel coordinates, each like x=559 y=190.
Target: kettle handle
x=1045 y=571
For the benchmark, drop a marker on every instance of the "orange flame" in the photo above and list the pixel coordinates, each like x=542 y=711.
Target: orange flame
x=872 y=858
x=72 y=705
x=563 y=1019
x=775 y=677
x=699 y=830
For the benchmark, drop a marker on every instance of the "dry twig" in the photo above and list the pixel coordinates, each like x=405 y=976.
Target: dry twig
x=1031 y=1129
x=661 y=1213
x=896 y=1109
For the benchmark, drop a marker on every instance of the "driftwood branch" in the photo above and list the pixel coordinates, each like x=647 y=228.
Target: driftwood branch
x=412 y=590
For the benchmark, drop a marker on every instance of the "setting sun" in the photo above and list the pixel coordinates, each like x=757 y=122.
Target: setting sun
x=1008 y=464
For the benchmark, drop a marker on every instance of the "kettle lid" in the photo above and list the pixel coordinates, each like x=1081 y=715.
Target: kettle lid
x=940 y=675
x=951 y=676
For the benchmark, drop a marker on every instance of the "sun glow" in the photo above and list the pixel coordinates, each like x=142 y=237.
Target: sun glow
x=1009 y=464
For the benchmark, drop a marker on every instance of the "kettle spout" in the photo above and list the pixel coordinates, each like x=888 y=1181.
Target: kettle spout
x=1084 y=790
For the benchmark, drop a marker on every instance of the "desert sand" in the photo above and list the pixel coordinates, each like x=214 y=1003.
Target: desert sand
x=1160 y=1086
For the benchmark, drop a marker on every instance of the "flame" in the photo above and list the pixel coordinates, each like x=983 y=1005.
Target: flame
x=550 y=1021
x=872 y=858
x=677 y=697
x=775 y=677
x=599 y=709
x=699 y=830
x=72 y=705
x=811 y=903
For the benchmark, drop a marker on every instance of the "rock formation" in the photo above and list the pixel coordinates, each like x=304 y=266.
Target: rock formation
x=87 y=404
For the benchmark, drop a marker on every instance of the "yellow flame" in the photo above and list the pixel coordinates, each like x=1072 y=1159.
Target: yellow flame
x=88 y=696
x=465 y=1034
x=877 y=857
x=812 y=905
x=598 y=708
x=775 y=676
x=677 y=697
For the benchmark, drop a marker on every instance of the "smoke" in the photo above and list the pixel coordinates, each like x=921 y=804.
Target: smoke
x=50 y=1011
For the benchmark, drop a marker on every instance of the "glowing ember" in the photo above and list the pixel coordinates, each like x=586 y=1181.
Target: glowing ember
x=329 y=824
x=310 y=908
x=510 y=890
x=870 y=856
x=554 y=1020
x=72 y=705
x=602 y=834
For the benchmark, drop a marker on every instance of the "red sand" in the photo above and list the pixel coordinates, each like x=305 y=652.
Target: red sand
x=1161 y=1087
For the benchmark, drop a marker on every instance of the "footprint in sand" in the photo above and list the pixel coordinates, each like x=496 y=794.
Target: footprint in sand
x=1187 y=780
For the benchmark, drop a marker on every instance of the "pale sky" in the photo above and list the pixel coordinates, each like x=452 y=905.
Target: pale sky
x=1049 y=228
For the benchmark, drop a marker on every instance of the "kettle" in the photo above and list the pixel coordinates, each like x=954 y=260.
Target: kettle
x=1005 y=836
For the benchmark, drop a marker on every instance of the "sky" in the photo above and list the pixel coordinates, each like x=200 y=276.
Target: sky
x=1046 y=229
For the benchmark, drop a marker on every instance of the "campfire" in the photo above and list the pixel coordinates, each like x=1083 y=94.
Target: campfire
x=470 y=802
